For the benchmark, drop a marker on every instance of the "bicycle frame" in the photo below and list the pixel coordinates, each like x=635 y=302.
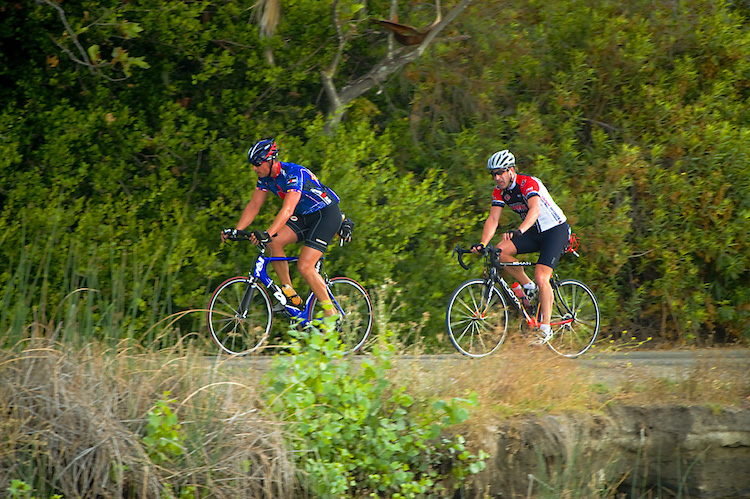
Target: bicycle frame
x=260 y=273
x=493 y=267
x=494 y=277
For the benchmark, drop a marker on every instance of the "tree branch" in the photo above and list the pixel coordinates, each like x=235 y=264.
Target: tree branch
x=393 y=62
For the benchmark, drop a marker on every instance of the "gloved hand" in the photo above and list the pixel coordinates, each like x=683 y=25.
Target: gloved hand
x=261 y=237
x=514 y=233
x=346 y=230
x=230 y=234
x=477 y=248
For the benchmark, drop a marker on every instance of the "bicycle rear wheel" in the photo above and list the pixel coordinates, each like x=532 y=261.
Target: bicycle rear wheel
x=239 y=316
x=575 y=318
x=477 y=318
x=354 y=324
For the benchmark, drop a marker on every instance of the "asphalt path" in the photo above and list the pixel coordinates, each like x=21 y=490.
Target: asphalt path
x=618 y=366
x=669 y=364
x=607 y=366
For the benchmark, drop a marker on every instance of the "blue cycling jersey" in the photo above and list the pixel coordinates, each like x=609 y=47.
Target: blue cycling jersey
x=293 y=177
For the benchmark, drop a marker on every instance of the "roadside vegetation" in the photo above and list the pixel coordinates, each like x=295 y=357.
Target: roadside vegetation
x=90 y=412
x=124 y=421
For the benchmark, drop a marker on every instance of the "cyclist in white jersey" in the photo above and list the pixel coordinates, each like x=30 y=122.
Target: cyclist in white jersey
x=543 y=228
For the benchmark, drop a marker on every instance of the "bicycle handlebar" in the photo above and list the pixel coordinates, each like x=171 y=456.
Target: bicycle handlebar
x=236 y=234
x=243 y=235
x=493 y=254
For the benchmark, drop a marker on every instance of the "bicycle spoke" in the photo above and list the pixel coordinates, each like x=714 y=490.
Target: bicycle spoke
x=575 y=319
x=236 y=331
x=476 y=318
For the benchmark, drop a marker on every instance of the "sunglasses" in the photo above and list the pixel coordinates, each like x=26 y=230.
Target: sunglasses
x=257 y=162
x=493 y=173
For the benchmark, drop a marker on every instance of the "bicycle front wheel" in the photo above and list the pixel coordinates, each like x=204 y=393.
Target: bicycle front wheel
x=240 y=315
x=354 y=306
x=477 y=318
x=575 y=318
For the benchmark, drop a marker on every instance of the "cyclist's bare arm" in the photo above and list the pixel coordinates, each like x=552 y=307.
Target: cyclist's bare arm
x=252 y=209
x=287 y=210
x=490 y=225
x=532 y=215
x=250 y=212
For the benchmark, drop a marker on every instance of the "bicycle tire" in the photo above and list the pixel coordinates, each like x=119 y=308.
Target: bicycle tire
x=476 y=326
x=575 y=305
x=355 y=308
x=237 y=333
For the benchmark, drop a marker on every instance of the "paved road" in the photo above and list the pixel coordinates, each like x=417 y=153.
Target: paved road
x=676 y=364
x=610 y=367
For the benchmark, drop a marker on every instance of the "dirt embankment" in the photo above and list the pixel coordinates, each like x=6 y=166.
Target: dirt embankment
x=685 y=451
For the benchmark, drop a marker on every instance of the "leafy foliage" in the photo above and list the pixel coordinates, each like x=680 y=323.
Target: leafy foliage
x=163 y=440
x=356 y=433
x=123 y=127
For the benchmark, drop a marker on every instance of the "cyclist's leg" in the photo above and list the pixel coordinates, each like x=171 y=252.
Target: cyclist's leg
x=322 y=226
x=286 y=237
x=308 y=257
x=507 y=255
x=553 y=242
x=542 y=275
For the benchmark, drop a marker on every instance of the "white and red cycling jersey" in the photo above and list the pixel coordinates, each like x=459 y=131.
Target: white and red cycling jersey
x=517 y=195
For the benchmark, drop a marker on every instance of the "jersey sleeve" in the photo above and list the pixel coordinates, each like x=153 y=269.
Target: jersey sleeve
x=497 y=198
x=295 y=181
x=529 y=187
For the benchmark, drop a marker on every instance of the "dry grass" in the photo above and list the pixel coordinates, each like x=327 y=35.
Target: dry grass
x=74 y=419
x=715 y=382
x=73 y=424
x=521 y=380
x=548 y=421
x=517 y=380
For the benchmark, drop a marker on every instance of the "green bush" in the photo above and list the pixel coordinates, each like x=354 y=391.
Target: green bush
x=356 y=434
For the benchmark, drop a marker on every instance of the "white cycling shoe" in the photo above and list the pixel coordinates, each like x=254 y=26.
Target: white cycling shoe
x=543 y=338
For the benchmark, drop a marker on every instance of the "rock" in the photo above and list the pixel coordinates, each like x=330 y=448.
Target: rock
x=694 y=451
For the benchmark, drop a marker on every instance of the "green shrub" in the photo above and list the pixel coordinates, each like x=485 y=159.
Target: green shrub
x=163 y=438
x=354 y=433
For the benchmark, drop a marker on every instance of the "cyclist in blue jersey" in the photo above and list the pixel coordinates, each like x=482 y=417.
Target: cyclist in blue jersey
x=309 y=212
x=543 y=228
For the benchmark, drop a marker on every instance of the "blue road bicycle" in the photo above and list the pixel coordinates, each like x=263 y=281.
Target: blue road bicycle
x=241 y=311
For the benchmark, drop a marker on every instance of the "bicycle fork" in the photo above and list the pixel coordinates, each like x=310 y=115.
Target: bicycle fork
x=247 y=298
x=484 y=301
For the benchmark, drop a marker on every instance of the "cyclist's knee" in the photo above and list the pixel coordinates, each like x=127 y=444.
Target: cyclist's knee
x=306 y=268
x=542 y=273
x=507 y=253
x=277 y=248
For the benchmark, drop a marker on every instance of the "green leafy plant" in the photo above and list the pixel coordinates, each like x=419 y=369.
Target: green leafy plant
x=355 y=433
x=163 y=439
x=21 y=490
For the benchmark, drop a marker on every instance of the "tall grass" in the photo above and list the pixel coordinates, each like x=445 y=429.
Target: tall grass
x=74 y=422
x=79 y=293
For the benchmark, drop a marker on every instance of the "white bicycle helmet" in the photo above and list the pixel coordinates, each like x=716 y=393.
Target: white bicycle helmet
x=501 y=160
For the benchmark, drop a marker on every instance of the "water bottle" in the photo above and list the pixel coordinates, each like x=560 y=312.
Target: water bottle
x=291 y=295
x=520 y=294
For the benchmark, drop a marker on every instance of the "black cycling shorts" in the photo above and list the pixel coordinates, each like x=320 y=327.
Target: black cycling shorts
x=317 y=228
x=550 y=244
